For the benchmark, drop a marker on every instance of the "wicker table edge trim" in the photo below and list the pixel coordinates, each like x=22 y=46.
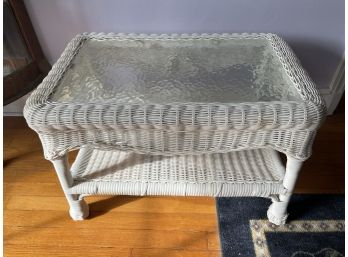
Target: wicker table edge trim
x=178 y=189
x=183 y=116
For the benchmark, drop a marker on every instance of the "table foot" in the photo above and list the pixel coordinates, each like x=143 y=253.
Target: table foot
x=79 y=209
x=277 y=212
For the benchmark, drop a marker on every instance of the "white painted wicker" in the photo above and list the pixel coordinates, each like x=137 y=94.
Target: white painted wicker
x=191 y=148
x=177 y=128
x=242 y=173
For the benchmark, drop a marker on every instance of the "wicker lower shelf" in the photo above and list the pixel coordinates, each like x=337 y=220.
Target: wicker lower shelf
x=243 y=173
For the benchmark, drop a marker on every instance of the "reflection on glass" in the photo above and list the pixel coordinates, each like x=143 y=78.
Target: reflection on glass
x=16 y=54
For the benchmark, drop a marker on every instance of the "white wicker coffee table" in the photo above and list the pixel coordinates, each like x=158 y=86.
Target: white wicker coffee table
x=198 y=115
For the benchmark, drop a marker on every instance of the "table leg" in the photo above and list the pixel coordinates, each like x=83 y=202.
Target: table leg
x=277 y=212
x=78 y=207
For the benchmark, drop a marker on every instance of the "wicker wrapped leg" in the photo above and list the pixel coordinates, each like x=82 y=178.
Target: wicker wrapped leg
x=78 y=207
x=277 y=212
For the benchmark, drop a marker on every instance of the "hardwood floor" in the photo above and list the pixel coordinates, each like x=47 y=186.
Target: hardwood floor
x=36 y=221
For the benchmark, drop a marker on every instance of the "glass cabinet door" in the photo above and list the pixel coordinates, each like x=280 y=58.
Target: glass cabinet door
x=16 y=54
x=24 y=64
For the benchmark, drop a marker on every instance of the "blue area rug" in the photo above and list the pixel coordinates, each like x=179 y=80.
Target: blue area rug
x=315 y=227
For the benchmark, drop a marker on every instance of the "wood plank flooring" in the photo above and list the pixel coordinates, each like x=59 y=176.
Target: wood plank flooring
x=36 y=221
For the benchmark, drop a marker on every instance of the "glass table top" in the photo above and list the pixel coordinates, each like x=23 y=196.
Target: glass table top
x=145 y=71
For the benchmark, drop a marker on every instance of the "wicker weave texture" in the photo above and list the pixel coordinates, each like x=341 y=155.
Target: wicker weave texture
x=178 y=128
x=159 y=142
x=243 y=173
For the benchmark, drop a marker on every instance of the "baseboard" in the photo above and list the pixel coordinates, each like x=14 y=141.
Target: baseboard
x=13 y=114
x=15 y=108
x=333 y=94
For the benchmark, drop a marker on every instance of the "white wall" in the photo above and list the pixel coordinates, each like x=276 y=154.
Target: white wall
x=314 y=28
